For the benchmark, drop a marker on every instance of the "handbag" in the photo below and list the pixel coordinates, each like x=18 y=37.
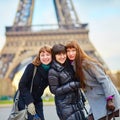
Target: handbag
x=113 y=115
x=116 y=118
x=17 y=114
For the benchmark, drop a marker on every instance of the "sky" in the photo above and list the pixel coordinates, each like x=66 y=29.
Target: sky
x=102 y=16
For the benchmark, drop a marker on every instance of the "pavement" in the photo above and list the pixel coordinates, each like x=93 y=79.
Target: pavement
x=49 y=111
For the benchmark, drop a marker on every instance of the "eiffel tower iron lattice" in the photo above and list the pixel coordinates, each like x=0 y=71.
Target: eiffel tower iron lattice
x=23 y=39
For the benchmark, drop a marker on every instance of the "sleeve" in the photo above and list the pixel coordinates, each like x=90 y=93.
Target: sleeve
x=53 y=81
x=56 y=88
x=99 y=74
x=71 y=86
x=25 y=84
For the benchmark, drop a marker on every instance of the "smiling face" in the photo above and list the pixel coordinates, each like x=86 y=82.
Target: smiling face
x=45 y=57
x=61 y=58
x=71 y=53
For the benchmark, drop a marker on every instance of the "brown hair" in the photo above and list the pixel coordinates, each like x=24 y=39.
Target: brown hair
x=80 y=56
x=45 y=48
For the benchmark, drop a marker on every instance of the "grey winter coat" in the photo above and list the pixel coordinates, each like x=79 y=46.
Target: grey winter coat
x=98 y=88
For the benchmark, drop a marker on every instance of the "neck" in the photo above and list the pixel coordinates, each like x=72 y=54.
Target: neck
x=46 y=67
x=71 y=61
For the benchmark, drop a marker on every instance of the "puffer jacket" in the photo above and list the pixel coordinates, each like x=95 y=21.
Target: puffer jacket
x=66 y=89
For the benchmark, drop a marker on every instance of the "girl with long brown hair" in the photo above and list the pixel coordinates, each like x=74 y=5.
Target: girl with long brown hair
x=102 y=95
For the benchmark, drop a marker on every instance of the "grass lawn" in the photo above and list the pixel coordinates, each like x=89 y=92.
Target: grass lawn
x=6 y=102
x=45 y=100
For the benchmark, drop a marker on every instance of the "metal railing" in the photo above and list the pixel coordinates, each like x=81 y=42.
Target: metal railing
x=35 y=28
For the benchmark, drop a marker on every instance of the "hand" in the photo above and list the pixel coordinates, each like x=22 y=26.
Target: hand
x=31 y=109
x=110 y=105
x=36 y=117
x=90 y=117
x=75 y=85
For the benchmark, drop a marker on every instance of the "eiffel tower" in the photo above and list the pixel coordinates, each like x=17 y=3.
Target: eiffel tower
x=23 y=40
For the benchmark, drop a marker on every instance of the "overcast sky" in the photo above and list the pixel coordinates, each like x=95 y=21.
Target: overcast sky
x=103 y=17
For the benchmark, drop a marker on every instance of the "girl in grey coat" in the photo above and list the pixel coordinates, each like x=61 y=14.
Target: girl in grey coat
x=102 y=95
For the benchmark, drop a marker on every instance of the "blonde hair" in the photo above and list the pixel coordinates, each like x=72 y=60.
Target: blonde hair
x=45 y=48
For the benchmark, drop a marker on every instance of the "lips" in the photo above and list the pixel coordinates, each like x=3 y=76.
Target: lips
x=71 y=57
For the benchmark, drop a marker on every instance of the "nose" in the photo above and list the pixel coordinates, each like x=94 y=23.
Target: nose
x=70 y=52
x=62 y=55
x=45 y=56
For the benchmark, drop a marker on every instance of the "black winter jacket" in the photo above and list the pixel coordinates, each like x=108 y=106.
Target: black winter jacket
x=40 y=82
x=65 y=87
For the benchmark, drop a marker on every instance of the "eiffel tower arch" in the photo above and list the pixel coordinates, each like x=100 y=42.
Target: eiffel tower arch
x=23 y=40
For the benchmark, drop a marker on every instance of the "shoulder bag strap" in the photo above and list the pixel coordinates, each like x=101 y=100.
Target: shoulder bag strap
x=18 y=92
x=34 y=72
x=17 y=96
